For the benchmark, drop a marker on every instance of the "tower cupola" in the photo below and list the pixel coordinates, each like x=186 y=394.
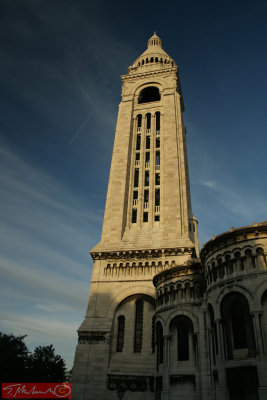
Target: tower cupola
x=153 y=58
x=154 y=41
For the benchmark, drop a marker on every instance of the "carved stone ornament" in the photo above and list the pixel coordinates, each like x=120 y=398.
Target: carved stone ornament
x=142 y=254
x=96 y=337
x=122 y=383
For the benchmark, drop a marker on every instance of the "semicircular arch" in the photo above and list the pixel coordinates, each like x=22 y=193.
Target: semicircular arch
x=188 y=314
x=224 y=292
x=135 y=290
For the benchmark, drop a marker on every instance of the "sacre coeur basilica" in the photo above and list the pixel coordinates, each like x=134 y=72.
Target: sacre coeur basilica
x=165 y=321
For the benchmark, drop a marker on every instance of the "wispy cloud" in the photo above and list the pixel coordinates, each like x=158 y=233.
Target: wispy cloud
x=45 y=238
x=81 y=74
x=210 y=184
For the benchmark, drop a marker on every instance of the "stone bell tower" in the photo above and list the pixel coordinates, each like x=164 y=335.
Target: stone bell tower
x=148 y=228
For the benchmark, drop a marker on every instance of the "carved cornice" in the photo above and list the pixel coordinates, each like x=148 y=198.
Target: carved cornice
x=142 y=254
x=172 y=273
x=257 y=230
x=166 y=72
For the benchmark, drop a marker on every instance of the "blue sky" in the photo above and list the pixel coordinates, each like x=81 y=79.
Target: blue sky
x=60 y=87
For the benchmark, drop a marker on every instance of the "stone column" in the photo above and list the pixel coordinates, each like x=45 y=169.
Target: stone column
x=221 y=388
x=258 y=333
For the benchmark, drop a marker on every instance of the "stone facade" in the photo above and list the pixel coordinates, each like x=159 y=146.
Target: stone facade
x=164 y=322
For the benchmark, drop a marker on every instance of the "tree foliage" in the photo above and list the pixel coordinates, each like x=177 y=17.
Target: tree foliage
x=17 y=364
x=13 y=358
x=45 y=366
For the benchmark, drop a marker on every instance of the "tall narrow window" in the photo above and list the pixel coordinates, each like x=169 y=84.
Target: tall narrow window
x=157 y=179
x=121 y=330
x=157 y=142
x=135 y=198
x=137 y=156
x=139 y=121
x=138 y=142
x=183 y=341
x=157 y=197
x=146 y=178
x=148 y=121
x=157 y=121
x=157 y=158
x=138 y=337
x=134 y=215
x=136 y=177
x=146 y=196
x=147 y=142
x=145 y=216
x=147 y=156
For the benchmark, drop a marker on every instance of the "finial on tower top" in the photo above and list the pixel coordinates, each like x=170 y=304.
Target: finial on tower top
x=154 y=41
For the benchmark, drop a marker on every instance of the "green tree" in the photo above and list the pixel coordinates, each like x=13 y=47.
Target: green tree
x=13 y=358
x=17 y=364
x=46 y=366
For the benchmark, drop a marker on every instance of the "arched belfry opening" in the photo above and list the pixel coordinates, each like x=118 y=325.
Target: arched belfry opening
x=149 y=94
